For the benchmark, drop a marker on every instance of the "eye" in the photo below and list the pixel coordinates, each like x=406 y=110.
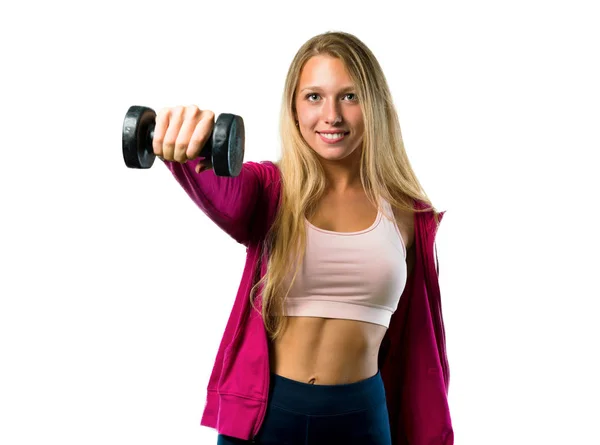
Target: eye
x=309 y=97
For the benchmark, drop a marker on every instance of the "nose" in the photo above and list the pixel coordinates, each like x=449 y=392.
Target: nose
x=332 y=113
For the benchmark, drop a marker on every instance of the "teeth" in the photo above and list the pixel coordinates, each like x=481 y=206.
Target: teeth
x=333 y=136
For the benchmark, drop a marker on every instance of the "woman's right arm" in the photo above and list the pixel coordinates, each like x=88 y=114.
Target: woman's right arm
x=231 y=202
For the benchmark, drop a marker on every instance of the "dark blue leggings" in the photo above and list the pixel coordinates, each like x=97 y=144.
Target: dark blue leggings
x=303 y=414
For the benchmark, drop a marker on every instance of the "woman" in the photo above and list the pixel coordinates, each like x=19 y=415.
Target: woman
x=331 y=231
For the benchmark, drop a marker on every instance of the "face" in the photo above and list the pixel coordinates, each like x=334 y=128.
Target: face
x=328 y=112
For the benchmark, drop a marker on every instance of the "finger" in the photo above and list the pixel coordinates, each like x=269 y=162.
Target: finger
x=192 y=115
x=175 y=121
x=203 y=130
x=161 y=124
x=200 y=167
x=204 y=164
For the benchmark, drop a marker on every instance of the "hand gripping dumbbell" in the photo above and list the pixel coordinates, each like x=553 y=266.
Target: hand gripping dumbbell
x=225 y=145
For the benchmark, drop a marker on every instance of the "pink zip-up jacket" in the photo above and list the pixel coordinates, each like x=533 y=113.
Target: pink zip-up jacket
x=412 y=356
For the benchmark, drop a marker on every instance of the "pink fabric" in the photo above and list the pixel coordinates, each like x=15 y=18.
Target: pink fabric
x=412 y=357
x=354 y=276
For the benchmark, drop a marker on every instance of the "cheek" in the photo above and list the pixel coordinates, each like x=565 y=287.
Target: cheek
x=356 y=118
x=307 y=115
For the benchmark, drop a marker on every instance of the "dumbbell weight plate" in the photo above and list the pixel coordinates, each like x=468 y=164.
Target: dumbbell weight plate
x=228 y=145
x=137 y=128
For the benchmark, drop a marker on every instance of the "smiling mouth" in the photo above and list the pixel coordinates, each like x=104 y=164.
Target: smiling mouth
x=333 y=137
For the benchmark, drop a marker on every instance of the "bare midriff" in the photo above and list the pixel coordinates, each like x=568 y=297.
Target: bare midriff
x=324 y=351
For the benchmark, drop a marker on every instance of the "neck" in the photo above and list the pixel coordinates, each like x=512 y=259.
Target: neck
x=344 y=175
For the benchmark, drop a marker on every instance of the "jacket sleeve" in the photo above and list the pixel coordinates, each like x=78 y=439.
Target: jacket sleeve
x=231 y=202
x=413 y=360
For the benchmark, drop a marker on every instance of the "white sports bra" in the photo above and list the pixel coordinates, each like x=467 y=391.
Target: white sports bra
x=355 y=276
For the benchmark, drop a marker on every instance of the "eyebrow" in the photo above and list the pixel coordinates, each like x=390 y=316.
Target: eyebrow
x=316 y=88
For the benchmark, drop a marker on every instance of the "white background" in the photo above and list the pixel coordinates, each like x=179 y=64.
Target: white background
x=115 y=289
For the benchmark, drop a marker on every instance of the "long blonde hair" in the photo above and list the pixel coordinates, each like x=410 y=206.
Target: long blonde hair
x=385 y=170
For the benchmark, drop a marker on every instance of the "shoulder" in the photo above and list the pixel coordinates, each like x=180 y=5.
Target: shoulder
x=266 y=172
x=425 y=217
x=268 y=169
x=261 y=166
x=429 y=215
x=405 y=219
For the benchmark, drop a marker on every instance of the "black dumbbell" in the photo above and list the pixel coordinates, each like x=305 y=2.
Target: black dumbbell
x=225 y=145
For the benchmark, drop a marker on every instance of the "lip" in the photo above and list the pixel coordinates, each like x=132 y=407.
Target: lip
x=332 y=131
x=332 y=141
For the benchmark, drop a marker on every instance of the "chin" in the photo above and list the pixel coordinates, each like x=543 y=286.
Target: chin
x=334 y=157
x=334 y=154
